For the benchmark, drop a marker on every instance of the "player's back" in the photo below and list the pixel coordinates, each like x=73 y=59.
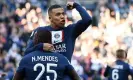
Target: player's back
x=118 y=70
x=44 y=66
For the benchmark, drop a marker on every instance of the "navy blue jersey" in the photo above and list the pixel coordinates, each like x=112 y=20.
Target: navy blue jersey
x=64 y=38
x=120 y=70
x=39 y=65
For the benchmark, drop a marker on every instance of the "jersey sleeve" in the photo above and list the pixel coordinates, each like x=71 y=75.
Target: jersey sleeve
x=33 y=47
x=82 y=24
x=68 y=65
x=130 y=69
x=20 y=72
x=70 y=71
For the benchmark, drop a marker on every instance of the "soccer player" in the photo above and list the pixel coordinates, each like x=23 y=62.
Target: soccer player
x=119 y=70
x=63 y=38
x=44 y=65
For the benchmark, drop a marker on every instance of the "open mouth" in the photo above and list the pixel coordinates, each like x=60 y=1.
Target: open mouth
x=63 y=21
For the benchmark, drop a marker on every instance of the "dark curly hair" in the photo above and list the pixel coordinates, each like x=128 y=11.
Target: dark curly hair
x=42 y=36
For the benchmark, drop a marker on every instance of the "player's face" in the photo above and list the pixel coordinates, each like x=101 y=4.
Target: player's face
x=57 y=17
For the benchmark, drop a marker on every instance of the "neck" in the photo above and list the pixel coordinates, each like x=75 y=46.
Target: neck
x=47 y=51
x=54 y=26
x=122 y=59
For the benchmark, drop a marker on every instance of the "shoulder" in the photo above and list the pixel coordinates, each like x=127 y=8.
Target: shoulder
x=43 y=27
x=25 y=57
x=23 y=61
x=60 y=56
x=29 y=55
x=64 y=59
x=129 y=66
x=111 y=64
x=38 y=28
x=70 y=25
x=126 y=64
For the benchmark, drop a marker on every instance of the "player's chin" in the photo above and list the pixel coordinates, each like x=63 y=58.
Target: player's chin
x=62 y=24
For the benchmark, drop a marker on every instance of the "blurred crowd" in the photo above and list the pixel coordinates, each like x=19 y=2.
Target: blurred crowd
x=111 y=29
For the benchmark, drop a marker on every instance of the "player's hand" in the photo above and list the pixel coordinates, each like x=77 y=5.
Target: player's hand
x=48 y=47
x=70 y=5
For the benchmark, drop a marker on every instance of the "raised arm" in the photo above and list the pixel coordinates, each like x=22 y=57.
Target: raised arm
x=82 y=24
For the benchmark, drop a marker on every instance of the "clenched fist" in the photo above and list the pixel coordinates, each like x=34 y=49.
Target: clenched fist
x=70 y=5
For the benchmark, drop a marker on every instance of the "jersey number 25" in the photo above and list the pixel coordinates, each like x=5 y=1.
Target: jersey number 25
x=48 y=70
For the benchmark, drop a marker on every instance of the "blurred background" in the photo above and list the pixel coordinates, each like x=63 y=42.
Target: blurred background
x=111 y=29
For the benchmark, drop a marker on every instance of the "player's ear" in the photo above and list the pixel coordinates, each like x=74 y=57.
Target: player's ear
x=37 y=41
x=49 y=18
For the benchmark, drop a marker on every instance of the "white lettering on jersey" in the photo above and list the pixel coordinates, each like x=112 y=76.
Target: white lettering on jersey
x=118 y=66
x=44 y=58
x=60 y=47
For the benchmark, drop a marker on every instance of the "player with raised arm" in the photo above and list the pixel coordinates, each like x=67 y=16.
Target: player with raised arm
x=63 y=38
x=119 y=70
x=44 y=65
